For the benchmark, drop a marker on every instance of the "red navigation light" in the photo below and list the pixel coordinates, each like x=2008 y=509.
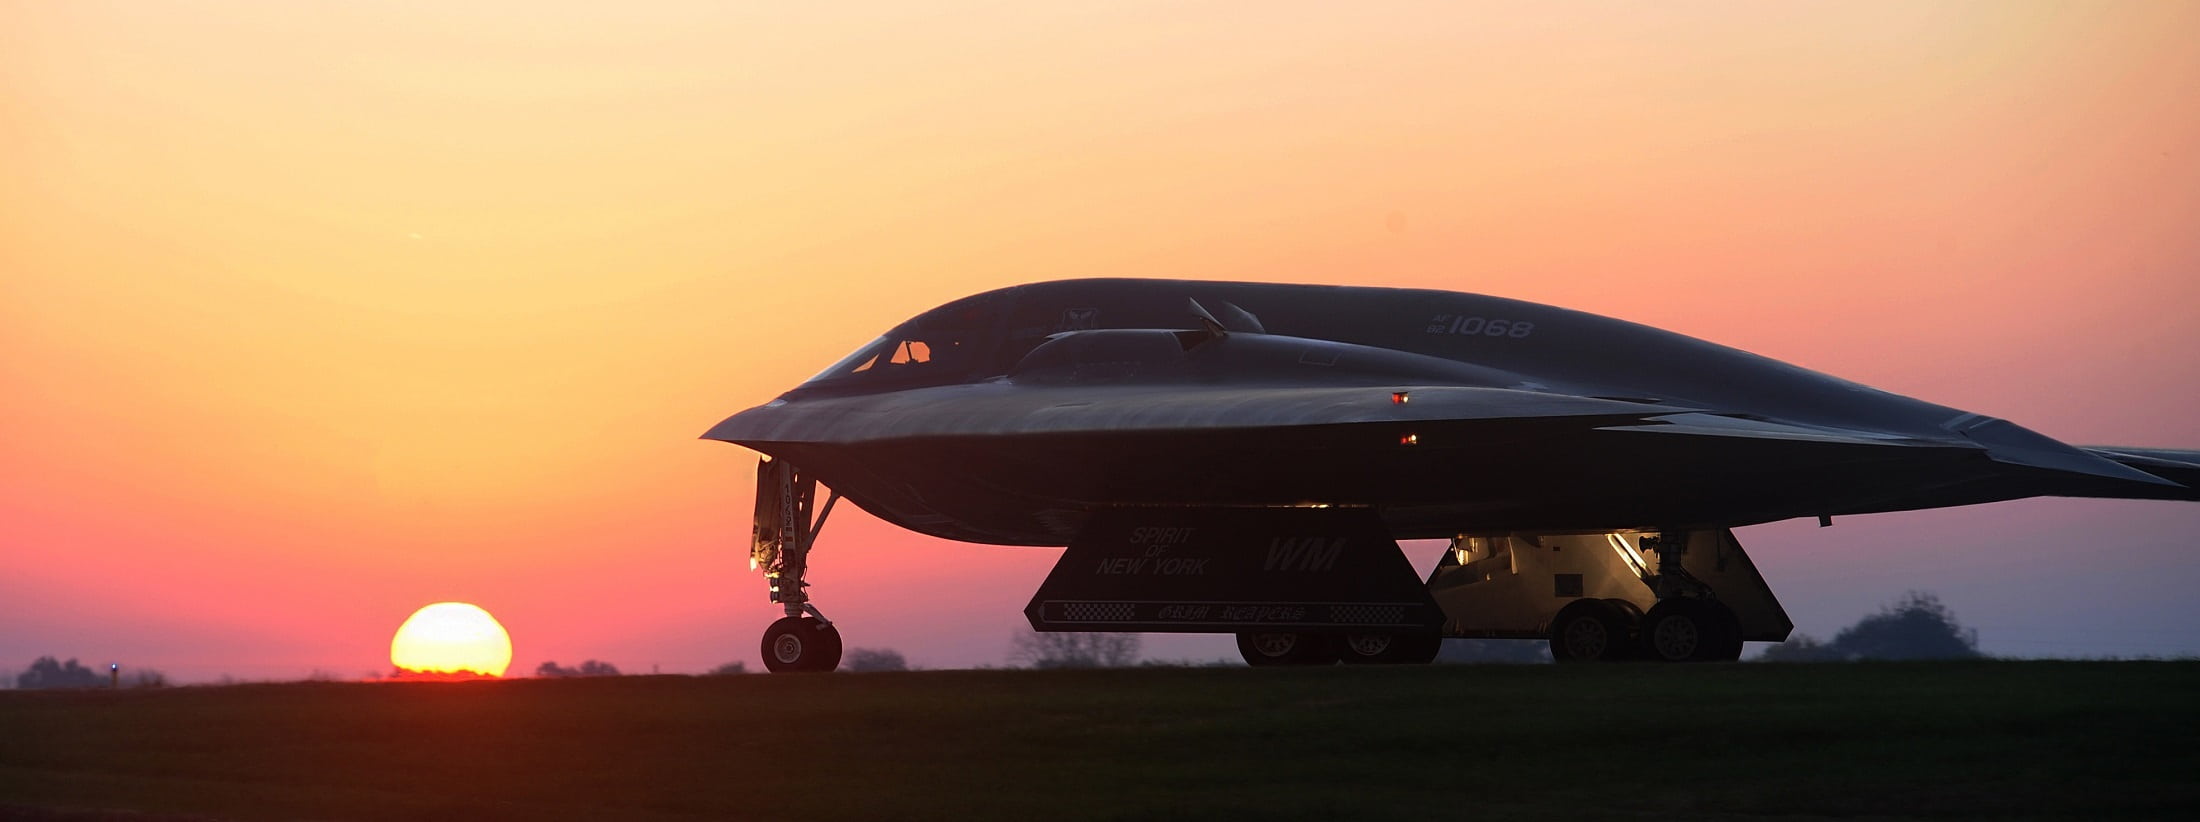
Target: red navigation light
x=1398 y=397
x=1410 y=439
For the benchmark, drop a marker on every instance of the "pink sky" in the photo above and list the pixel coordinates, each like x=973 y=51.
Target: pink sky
x=311 y=315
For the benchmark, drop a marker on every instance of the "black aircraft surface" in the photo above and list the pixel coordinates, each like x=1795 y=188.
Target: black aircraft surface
x=1241 y=457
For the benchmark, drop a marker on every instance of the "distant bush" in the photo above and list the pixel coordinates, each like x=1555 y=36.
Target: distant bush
x=590 y=668
x=48 y=672
x=1914 y=627
x=1033 y=649
x=1917 y=626
x=866 y=660
x=729 y=669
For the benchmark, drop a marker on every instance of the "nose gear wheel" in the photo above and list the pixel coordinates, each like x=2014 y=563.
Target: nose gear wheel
x=801 y=644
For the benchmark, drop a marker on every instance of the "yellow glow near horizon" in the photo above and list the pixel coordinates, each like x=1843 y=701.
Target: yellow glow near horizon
x=452 y=637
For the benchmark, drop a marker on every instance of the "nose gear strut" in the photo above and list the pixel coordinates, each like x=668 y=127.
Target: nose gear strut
x=803 y=640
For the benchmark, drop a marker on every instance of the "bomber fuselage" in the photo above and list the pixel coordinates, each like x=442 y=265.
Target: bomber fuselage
x=1011 y=416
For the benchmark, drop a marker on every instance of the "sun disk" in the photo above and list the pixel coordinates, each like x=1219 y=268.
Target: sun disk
x=449 y=638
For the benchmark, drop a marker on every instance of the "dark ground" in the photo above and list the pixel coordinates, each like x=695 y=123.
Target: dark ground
x=1989 y=740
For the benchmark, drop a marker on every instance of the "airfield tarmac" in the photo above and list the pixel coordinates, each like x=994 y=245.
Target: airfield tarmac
x=1985 y=740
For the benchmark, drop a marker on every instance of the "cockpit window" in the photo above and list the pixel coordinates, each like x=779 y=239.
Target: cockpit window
x=952 y=343
x=859 y=361
x=912 y=352
x=899 y=358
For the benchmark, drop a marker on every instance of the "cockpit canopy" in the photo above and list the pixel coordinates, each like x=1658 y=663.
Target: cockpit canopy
x=890 y=356
x=956 y=342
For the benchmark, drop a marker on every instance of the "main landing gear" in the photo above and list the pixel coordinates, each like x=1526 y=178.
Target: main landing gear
x=1595 y=630
x=803 y=640
x=1691 y=630
x=1688 y=623
x=1263 y=650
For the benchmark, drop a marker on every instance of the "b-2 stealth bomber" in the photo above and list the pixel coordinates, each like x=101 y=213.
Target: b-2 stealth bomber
x=1242 y=458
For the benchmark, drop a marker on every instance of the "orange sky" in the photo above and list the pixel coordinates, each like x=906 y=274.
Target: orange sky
x=312 y=314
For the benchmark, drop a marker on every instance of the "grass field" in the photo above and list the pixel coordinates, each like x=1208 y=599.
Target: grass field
x=1993 y=740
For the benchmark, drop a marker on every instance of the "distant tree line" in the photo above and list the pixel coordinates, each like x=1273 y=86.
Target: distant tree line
x=1917 y=626
x=1034 y=649
x=593 y=667
x=49 y=672
x=872 y=660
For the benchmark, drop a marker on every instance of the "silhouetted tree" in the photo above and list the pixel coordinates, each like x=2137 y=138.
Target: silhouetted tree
x=730 y=669
x=1494 y=650
x=146 y=678
x=1073 y=649
x=865 y=660
x=1917 y=626
x=48 y=672
x=590 y=668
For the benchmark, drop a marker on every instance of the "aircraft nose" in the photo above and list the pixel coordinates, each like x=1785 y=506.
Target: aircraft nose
x=749 y=425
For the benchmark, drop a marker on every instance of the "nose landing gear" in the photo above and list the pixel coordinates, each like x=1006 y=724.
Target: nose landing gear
x=803 y=640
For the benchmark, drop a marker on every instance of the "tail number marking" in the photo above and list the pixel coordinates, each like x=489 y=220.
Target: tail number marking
x=1470 y=326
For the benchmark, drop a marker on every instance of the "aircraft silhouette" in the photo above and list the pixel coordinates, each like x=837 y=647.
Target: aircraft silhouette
x=1241 y=458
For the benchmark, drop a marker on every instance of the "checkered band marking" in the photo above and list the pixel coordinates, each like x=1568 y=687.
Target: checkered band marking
x=1367 y=614
x=1099 y=612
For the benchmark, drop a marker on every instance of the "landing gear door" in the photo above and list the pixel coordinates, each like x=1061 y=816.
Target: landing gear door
x=1193 y=570
x=782 y=509
x=1717 y=558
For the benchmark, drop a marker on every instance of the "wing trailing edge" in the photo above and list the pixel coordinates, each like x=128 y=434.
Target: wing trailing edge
x=2180 y=467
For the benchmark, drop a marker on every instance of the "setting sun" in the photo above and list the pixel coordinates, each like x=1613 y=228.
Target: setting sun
x=451 y=637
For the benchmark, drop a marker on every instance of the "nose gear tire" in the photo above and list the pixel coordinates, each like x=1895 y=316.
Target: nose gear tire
x=798 y=644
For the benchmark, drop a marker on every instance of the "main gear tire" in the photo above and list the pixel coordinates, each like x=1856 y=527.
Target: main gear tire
x=1591 y=630
x=1730 y=642
x=1630 y=617
x=801 y=645
x=1266 y=649
x=1690 y=630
